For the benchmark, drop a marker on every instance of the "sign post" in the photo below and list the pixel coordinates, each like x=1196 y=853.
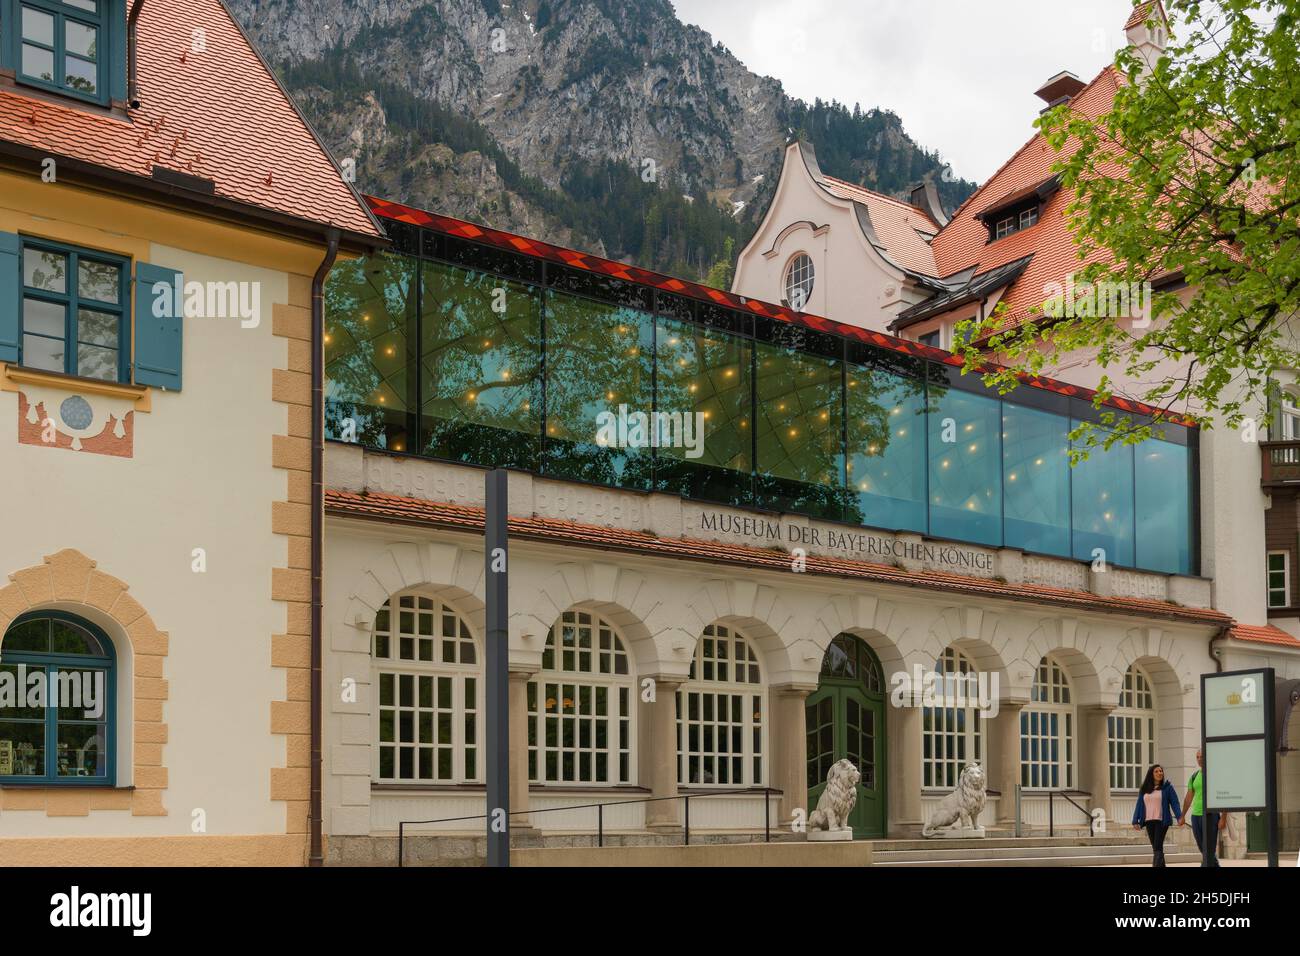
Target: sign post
x=1239 y=746
x=496 y=541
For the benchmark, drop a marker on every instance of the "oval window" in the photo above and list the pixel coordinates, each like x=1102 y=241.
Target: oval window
x=798 y=283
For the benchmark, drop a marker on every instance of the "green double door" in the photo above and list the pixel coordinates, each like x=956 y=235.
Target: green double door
x=845 y=718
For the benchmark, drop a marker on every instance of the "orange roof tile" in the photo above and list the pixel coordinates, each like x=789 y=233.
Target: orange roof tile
x=1268 y=634
x=1141 y=14
x=220 y=115
x=417 y=511
x=902 y=228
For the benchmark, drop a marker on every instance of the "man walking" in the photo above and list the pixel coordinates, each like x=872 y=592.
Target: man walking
x=1204 y=826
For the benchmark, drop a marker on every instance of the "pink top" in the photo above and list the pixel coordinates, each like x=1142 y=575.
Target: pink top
x=1153 y=800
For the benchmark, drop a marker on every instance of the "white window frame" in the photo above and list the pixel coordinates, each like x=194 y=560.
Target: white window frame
x=1005 y=227
x=802 y=263
x=579 y=669
x=462 y=706
x=698 y=706
x=953 y=736
x=1290 y=422
x=1028 y=217
x=1048 y=723
x=1132 y=730
x=1286 y=577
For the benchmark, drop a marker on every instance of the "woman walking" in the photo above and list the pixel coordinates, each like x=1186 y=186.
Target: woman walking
x=1157 y=807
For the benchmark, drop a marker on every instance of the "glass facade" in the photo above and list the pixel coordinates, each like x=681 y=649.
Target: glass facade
x=462 y=352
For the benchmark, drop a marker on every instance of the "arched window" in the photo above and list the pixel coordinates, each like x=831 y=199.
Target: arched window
x=720 y=713
x=580 y=705
x=952 y=737
x=798 y=285
x=1132 y=731
x=426 y=666
x=58 y=695
x=1047 y=731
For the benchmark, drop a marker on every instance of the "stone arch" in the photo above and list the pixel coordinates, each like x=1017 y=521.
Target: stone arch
x=1174 y=683
x=622 y=596
x=981 y=635
x=70 y=581
x=446 y=571
x=1073 y=643
x=758 y=611
x=874 y=621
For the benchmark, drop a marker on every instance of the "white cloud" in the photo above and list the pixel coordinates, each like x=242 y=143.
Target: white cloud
x=961 y=74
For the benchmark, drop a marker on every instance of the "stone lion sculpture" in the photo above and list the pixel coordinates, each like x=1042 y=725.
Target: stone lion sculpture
x=964 y=805
x=837 y=800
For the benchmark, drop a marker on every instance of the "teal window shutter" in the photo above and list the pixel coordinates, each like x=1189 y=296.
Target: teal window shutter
x=10 y=296
x=159 y=313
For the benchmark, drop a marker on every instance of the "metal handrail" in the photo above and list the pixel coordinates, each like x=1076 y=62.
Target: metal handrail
x=1051 y=815
x=600 y=814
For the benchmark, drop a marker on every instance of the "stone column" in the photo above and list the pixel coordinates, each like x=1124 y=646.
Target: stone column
x=787 y=734
x=1094 y=755
x=519 y=749
x=659 y=737
x=905 y=773
x=1004 y=757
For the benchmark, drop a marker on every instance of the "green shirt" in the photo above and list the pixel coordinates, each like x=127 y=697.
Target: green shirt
x=1197 y=785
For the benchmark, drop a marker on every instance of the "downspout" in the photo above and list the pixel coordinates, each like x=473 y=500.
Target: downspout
x=1217 y=653
x=316 y=857
x=132 y=88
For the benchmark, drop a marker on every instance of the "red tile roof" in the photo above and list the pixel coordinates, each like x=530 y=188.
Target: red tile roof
x=417 y=511
x=219 y=114
x=1142 y=13
x=902 y=228
x=1267 y=634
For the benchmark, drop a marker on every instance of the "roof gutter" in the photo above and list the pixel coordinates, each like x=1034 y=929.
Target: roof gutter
x=132 y=87
x=317 y=857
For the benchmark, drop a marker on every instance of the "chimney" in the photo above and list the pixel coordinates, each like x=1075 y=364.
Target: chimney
x=1061 y=88
x=925 y=197
x=1147 y=30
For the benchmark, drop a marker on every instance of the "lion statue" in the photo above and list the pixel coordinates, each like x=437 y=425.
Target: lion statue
x=964 y=805
x=837 y=800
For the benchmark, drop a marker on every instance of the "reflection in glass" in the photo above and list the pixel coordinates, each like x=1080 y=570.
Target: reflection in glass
x=480 y=368
x=886 y=465
x=800 y=431
x=703 y=380
x=1036 y=470
x=966 y=467
x=370 y=323
x=1163 y=504
x=601 y=360
x=1103 y=505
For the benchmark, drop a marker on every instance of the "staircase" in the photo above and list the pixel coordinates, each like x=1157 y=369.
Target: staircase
x=1102 y=850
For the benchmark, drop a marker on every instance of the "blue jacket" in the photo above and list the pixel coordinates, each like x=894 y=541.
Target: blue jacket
x=1169 y=804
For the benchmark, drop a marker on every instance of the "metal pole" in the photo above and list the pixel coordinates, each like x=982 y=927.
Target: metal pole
x=688 y=821
x=1270 y=765
x=767 y=817
x=600 y=824
x=1019 y=829
x=495 y=552
x=1051 y=817
x=401 y=834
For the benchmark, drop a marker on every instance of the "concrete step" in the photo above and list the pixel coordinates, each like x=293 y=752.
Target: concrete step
x=1110 y=850
x=1129 y=858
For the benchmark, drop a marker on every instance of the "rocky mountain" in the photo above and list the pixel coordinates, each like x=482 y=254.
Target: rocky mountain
x=608 y=125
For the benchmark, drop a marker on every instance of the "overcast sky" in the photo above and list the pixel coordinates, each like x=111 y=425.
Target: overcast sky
x=960 y=73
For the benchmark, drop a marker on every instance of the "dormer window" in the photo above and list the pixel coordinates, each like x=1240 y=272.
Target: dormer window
x=1022 y=220
x=1018 y=210
x=73 y=47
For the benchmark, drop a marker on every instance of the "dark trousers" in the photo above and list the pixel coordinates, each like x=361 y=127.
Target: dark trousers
x=1156 y=834
x=1202 y=827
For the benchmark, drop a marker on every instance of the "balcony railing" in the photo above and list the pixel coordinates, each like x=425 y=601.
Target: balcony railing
x=1281 y=463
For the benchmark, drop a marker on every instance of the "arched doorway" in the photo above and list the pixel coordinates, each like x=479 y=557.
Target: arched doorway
x=845 y=718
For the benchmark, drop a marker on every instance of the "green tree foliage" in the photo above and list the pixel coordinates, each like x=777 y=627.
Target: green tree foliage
x=1192 y=173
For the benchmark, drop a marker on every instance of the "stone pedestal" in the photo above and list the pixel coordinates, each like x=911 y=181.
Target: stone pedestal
x=830 y=836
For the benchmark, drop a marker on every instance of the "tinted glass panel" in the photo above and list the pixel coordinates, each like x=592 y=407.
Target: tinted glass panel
x=800 y=431
x=965 y=467
x=598 y=391
x=1163 y=506
x=886 y=465
x=703 y=381
x=480 y=368
x=1036 y=472
x=369 y=338
x=1103 y=505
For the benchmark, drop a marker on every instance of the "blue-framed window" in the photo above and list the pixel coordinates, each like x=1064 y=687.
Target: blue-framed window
x=67 y=46
x=75 y=317
x=58 y=701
